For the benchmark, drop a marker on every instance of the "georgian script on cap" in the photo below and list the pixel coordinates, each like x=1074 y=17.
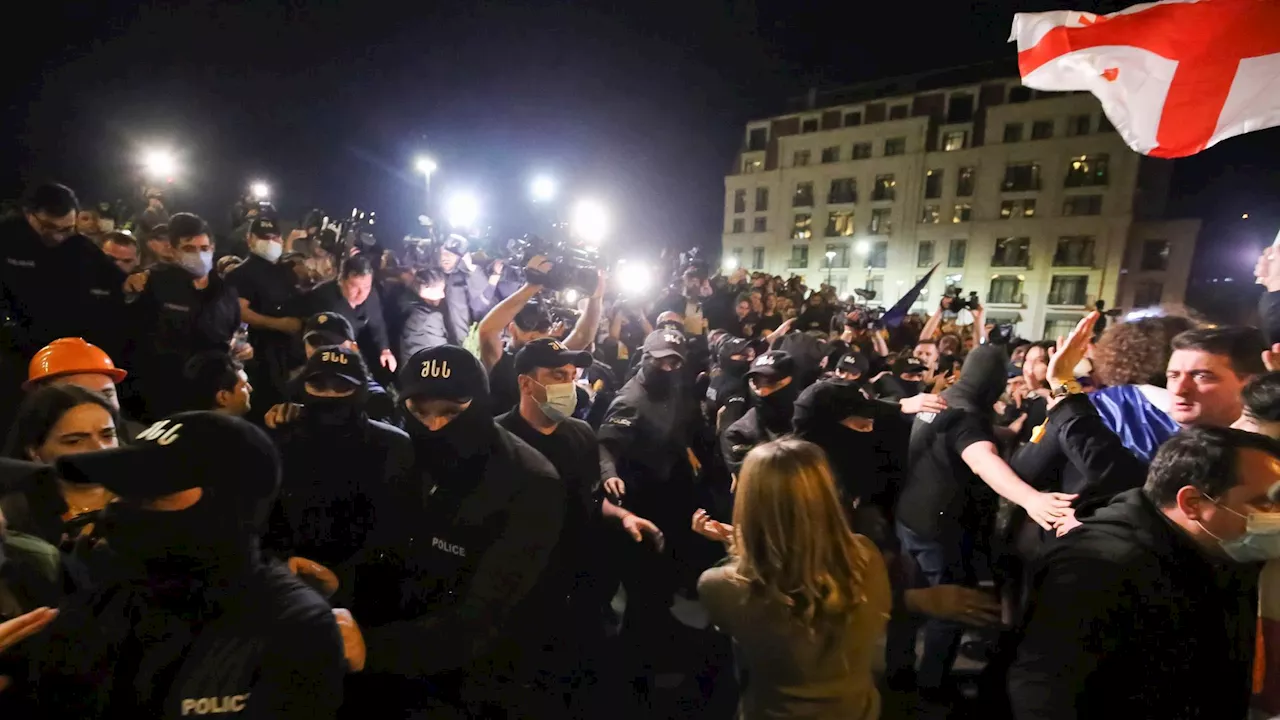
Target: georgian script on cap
x=673 y=337
x=764 y=360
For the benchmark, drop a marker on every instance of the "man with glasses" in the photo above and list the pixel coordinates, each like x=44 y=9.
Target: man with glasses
x=54 y=282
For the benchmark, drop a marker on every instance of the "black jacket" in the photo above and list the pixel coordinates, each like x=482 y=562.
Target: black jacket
x=335 y=485
x=447 y=582
x=738 y=439
x=648 y=438
x=1130 y=618
x=1079 y=454
x=367 y=318
x=138 y=647
x=424 y=327
x=1269 y=315
x=69 y=290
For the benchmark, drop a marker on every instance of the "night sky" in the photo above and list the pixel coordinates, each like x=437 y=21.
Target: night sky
x=640 y=104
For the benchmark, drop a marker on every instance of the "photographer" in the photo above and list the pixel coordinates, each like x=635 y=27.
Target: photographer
x=525 y=322
x=627 y=330
x=687 y=304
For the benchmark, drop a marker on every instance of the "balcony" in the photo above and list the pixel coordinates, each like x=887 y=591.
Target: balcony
x=1006 y=300
x=1013 y=261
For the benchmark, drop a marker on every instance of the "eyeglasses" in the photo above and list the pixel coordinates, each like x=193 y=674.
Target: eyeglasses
x=52 y=229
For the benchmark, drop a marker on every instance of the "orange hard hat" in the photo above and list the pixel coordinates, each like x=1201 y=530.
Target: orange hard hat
x=70 y=356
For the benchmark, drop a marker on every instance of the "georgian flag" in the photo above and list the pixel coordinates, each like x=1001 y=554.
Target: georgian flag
x=1174 y=77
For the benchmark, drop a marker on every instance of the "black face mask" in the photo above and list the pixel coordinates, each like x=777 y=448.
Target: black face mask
x=660 y=383
x=777 y=408
x=735 y=368
x=208 y=537
x=467 y=436
x=334 y=413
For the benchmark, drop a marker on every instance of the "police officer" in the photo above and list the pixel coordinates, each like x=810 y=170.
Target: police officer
x=544 y=420
x=649 y=433
x=183 y=309
x=265 y=288
x=53 y=282
x=453 y=598
x=727 y=391
x=339 y=465
x=188 y=619
x=774 y=388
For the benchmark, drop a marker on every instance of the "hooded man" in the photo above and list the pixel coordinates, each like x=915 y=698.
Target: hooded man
x=452 y=594
x=774 y=386
x=947 y=501
x=648 y=434
x=339 y=465
x=186 y=617
x=727 y=390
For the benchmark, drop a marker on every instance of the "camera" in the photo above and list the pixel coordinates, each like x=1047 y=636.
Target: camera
x=952 y=301
x=864 y=318
x=572 y=266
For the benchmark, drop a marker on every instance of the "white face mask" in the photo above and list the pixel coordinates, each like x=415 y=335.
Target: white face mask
x=1260 y=541
x=269 y=250
x=562 y=400
x=198 y=264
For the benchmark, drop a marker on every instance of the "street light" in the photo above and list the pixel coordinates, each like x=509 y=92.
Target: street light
x=159 y=164
x=543 y=189
x=260 y=191
x=590 y=222
x=427 y=167
x=831 y=255
x=462 y=210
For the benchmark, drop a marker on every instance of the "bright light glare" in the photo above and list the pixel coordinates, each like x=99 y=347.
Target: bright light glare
x=260 y=191
x=159 y=163
x=863 y=247
x=831 y=255
x=730 y=262
x=590 y=222
x=570 y=296
x=634 y=279
x=462 y=210
x=543 y=189
x=425 y=165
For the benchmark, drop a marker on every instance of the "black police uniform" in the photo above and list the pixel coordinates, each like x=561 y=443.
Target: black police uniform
x=186 y=619
x=339 y=470
x=172 y=321
x=268 y=288
x=769 y=417
x=648 y=433
x=68 y=290
x=451 y=597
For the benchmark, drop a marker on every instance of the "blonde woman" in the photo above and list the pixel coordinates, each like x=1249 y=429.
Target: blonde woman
x=805 y=599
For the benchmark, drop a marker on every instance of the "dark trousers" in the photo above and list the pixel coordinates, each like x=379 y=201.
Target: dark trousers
x=943 y=561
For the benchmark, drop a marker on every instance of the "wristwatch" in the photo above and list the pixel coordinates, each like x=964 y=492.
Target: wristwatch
x=1070 y=387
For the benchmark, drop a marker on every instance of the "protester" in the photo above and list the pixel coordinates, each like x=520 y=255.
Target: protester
x=424 y=325
x=1207 y=370
x=53 y=422
x=1157 y=590
x=807 y=622
x=72 y=361
x=216 y=381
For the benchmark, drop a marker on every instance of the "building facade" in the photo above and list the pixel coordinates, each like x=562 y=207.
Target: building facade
x=1030 y=199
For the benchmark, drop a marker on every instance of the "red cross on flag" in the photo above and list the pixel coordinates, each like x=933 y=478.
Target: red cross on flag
x=1174 y=77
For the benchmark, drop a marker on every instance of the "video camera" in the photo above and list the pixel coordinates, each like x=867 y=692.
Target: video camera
x=951 y=300
x=572 y=266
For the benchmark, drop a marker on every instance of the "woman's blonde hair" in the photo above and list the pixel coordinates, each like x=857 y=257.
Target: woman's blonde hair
x=792 y=543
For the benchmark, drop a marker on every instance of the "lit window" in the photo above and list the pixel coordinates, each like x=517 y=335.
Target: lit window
x=930 y=214
x=954 y=140
x=840 y=223
x=1088 y=171
x=884 y=188
x=802 y=226
x=963 y=212
x=881 y=222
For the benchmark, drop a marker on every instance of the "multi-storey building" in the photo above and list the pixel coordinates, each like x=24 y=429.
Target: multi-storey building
x=1029 y=198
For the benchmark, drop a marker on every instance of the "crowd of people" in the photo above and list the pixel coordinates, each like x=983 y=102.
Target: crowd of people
x=274 y=475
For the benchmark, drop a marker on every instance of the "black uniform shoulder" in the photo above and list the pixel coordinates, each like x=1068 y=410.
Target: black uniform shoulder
x=744 y=427
x=522 y=455
x=388 y=435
